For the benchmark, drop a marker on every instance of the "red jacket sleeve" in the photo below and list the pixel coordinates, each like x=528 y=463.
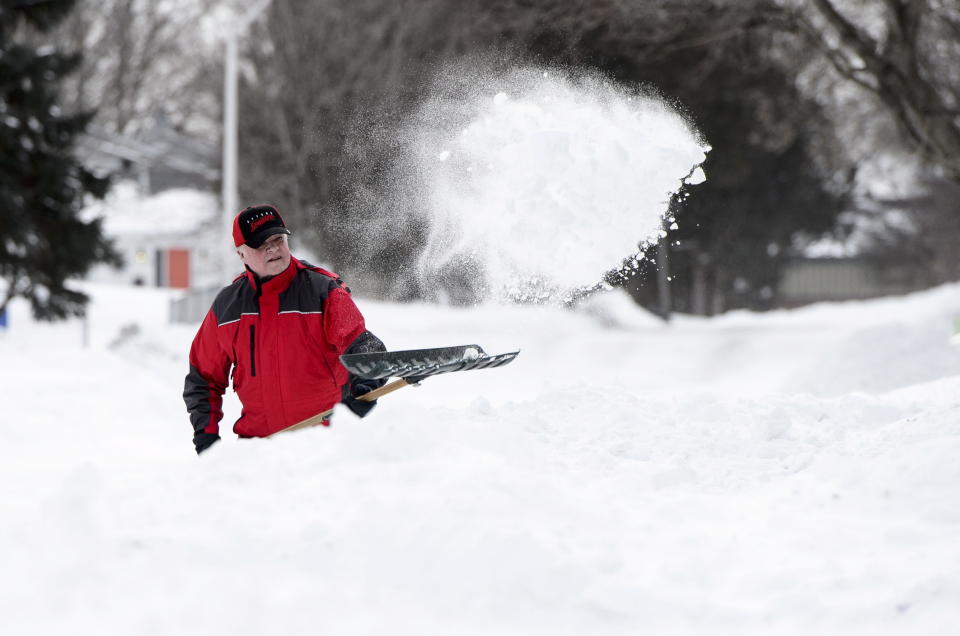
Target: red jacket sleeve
x=208 y=378
x=343 y=322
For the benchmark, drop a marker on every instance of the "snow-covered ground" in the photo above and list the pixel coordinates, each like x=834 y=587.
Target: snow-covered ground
x=789 y=473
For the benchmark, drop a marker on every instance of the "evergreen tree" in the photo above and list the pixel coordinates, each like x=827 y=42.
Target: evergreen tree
x=43 y=240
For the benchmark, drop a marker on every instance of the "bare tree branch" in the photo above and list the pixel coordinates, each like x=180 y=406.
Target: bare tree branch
x=898 y=76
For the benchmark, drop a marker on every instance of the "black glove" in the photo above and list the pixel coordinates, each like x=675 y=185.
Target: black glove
x=202 y=441
x=360 y=387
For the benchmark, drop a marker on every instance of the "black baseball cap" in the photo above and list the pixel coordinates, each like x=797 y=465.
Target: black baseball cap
x=256 y=224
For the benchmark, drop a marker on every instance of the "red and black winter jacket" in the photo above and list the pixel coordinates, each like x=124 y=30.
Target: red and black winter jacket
x=282 y=339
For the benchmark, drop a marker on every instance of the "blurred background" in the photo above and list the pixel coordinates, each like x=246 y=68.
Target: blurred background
x=834 y=127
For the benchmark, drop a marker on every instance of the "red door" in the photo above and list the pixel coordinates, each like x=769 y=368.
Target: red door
x=178 y=268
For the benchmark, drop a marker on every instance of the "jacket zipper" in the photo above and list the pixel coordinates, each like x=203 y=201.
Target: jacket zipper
x=253 y=351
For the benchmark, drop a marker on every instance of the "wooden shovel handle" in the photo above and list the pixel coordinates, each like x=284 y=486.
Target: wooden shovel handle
x=386 y=388
x=366 y=397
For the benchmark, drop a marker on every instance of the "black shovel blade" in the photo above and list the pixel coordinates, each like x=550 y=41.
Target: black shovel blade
x=421 y=363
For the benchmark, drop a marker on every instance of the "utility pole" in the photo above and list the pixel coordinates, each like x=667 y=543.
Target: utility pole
x=230 y=120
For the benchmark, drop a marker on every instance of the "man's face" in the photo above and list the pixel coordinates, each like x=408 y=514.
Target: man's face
x=269 y=259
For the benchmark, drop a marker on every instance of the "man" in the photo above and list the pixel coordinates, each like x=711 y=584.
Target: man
x=278 y=332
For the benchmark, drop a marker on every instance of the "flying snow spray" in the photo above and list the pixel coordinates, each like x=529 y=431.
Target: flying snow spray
x=537 y=183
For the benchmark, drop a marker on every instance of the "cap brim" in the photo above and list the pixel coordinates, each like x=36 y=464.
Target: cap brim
x=260 y=238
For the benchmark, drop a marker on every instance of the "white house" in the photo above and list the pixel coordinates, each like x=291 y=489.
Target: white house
x=170 y=239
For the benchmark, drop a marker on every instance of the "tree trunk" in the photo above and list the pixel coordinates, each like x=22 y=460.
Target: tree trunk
x=663 y=278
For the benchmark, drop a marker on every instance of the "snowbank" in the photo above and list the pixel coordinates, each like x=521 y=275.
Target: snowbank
x=788 y=473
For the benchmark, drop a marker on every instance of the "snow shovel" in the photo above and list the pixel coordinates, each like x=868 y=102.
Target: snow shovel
x=410 y=367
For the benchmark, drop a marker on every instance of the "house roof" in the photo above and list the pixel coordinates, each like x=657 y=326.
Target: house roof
x=159 y=145
x=171 y=212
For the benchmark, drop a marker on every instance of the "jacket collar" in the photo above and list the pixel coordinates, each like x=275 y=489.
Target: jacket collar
x=279 y=282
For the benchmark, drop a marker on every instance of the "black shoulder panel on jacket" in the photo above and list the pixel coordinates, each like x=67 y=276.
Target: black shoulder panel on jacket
x=307 y=292
x=234 y=300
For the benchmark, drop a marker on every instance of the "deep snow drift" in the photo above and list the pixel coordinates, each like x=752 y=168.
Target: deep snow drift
x=787 y=473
